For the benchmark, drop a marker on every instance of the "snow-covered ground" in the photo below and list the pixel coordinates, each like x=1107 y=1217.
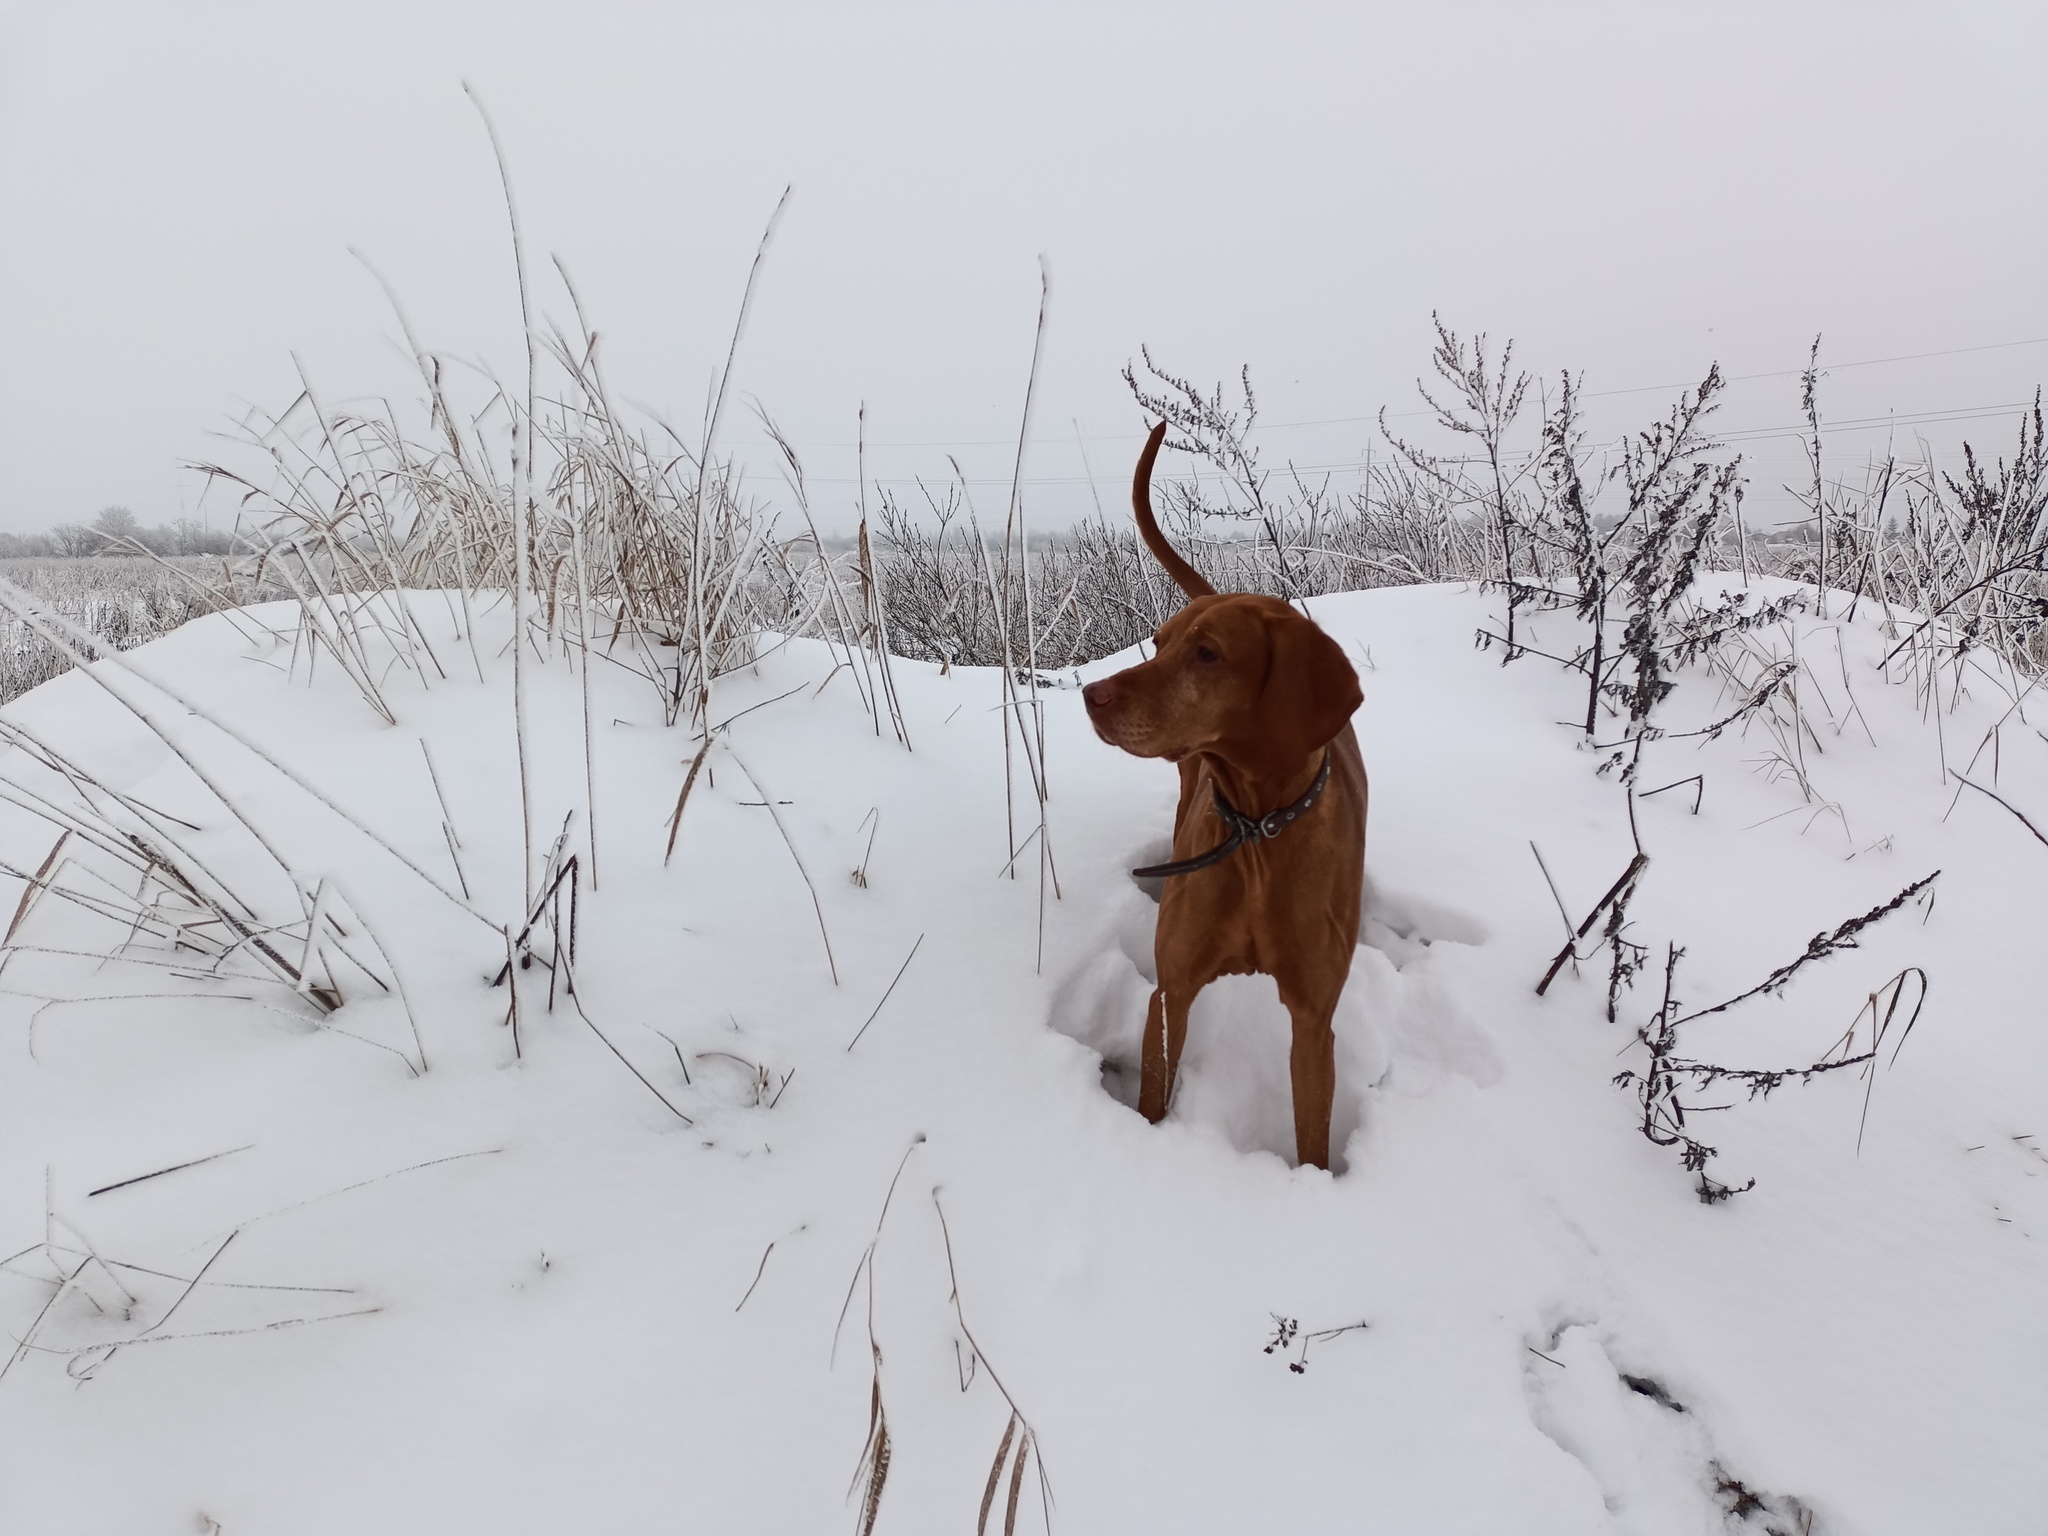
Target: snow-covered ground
x=519 y=1293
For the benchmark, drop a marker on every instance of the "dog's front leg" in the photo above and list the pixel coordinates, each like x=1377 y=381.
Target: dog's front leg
x=1166 y=1031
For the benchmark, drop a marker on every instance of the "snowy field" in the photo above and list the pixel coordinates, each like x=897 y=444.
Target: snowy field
x=403 y=1267
x=126 y=602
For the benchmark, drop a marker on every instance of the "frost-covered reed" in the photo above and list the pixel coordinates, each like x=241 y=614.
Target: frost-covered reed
x=124 y=600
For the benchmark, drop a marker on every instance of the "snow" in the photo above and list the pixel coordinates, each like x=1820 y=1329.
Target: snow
x=544 y=1303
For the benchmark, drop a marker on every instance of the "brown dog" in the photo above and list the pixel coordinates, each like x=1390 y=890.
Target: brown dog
x=1254 y=703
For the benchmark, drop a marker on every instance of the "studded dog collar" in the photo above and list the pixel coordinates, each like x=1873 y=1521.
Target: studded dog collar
x=1246 y=829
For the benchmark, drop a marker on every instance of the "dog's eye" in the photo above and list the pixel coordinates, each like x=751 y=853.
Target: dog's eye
x=1204 y=654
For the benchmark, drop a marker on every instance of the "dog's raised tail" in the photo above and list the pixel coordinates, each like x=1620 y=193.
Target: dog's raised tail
x=1185 y=576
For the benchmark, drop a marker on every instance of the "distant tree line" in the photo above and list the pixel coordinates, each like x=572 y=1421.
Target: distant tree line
x=117 y=531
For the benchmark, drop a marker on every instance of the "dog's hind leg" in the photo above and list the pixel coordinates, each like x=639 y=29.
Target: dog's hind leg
x=1312 y=1064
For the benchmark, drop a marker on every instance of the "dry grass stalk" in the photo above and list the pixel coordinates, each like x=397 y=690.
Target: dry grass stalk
x=522 y=500
x=873 y=1472
x=192 y=912
x=1017 y=1420
x=874 y=1460
x=789 y=842
x=877 y=608
x=2039 y=836
x=116 y=1302
x=886 y=993
x=62 y=632
x=37 y=883
x=995 y=1475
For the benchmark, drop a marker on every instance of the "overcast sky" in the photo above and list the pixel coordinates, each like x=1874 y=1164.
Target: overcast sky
x=1632 y=190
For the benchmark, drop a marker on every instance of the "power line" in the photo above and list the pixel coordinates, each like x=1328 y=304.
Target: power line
x=1868 y=362
x=1341 y=421
x=1796 y=430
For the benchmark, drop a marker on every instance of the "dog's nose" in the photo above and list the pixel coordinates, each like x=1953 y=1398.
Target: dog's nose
x=1099 y=696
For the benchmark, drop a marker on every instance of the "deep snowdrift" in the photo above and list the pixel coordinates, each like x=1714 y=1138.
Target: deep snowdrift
x=521 y=1294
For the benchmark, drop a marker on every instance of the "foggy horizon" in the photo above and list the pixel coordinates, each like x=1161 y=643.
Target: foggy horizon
x=1626 y=193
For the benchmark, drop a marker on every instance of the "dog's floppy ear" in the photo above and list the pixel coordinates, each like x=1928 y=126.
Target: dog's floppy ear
x=1311 y=689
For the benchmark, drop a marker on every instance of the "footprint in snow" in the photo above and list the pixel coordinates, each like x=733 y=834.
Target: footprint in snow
x=1644 y=1446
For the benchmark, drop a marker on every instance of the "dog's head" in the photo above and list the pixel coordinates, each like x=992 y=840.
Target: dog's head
x=1242 y=676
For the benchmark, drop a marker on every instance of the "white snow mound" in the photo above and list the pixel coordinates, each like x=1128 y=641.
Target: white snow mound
x=519 y=1293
